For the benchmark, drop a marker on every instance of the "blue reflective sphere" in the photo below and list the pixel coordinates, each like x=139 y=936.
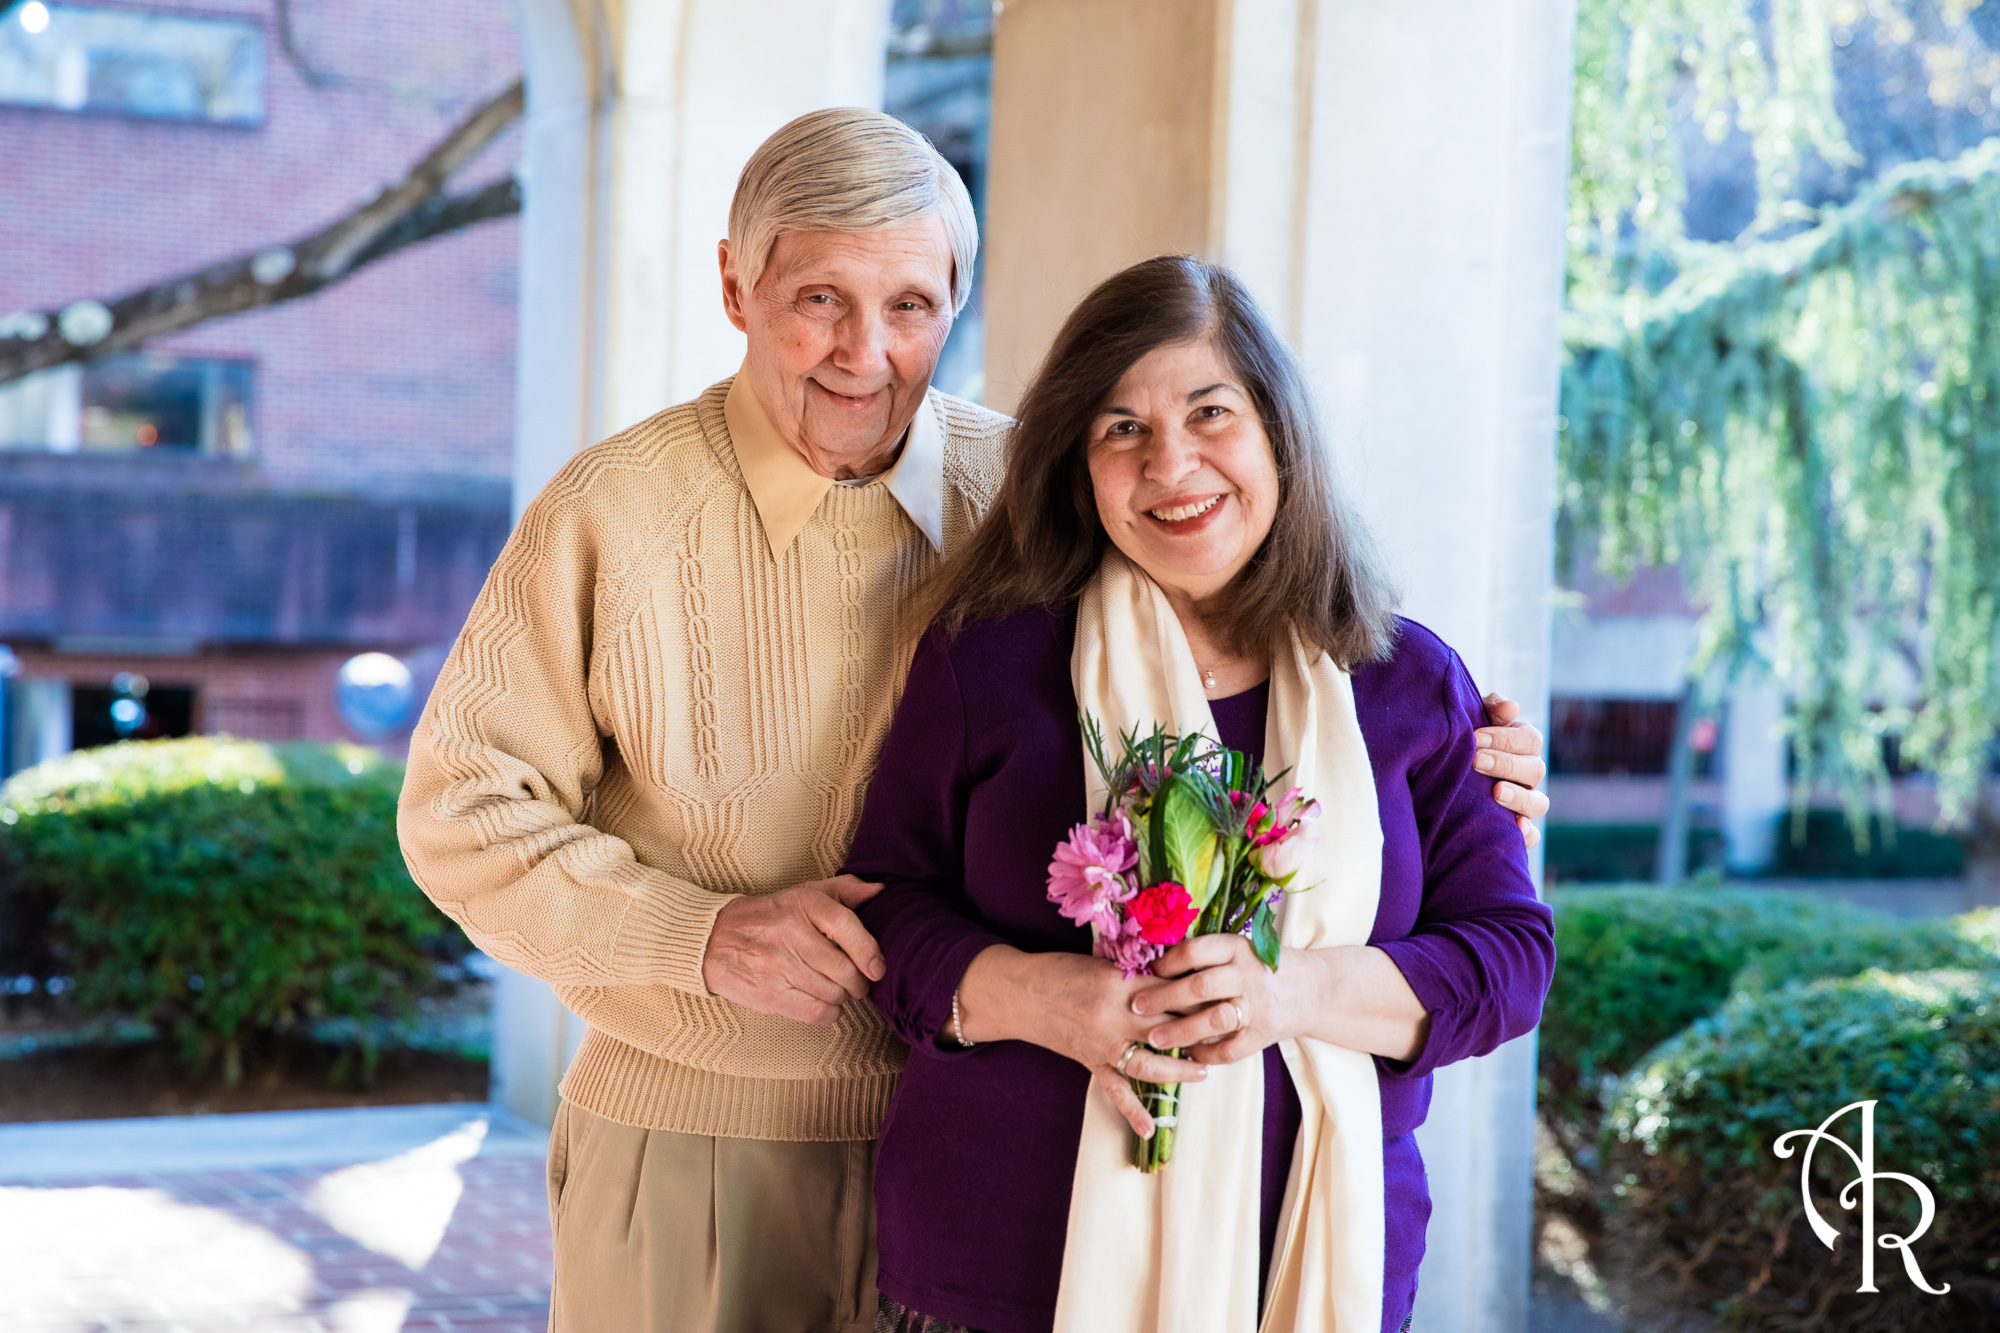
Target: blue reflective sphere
x=376 y=694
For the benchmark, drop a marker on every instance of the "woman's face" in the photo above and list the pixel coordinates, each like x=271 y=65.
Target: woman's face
x=1186 y=483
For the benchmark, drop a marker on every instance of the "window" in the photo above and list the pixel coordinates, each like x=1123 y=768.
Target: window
x=132 y=401
x=1622 y=736
x=81 y=58
x=131 y=710
x=142 y=401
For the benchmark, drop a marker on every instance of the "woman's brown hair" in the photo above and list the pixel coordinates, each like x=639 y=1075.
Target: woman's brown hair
x=1317 y=570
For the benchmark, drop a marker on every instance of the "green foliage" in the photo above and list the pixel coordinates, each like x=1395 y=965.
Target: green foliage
x=1625 y=853
x=1638 y=965
x=1829 y=849
x=224 y=889
x=1264 y=940
x=1620 y=853
x=1637 y=65
x=1809 y=426
x=1689 y=1137
x=1184 y=829
x=1812 y=428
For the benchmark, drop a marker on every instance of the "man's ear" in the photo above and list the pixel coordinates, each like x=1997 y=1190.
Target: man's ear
x=732 y=289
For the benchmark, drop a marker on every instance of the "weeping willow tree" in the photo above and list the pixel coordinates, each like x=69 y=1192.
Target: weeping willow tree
x=1806 y=420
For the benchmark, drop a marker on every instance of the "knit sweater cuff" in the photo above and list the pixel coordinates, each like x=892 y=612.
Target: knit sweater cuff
x=663 y=936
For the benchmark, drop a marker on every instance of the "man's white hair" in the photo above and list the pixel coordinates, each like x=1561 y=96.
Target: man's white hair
x=847 y=169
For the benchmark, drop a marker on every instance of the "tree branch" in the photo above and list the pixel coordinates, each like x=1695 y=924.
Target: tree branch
x=411 y=210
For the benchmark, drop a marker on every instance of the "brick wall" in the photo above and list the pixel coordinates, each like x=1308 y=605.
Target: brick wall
x=400 y=377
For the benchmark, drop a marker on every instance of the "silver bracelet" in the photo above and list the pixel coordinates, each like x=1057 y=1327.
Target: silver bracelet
x=957 y=1027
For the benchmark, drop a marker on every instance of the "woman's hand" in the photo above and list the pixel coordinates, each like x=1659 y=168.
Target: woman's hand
x=1227 y=1006
x=1074 y=1005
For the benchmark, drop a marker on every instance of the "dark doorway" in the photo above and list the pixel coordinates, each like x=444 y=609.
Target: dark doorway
x=104 y=716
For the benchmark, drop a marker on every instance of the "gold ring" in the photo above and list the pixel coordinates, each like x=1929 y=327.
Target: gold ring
x=1131 y=1049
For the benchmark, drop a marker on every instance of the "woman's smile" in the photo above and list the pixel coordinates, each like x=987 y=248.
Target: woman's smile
x=1185 y=516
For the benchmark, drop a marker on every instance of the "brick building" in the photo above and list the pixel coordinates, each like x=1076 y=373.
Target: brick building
x=230 y=514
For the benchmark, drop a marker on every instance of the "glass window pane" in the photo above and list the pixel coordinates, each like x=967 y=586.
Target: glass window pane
x=81 y=58
x=145 y=401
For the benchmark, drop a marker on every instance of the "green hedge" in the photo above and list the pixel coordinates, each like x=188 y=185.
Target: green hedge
x=1701 y=1199
x=1636 y=965
x=1620 y=853
x=221 y=890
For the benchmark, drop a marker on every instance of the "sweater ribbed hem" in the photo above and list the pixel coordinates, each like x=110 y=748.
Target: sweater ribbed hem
x=628 y=1086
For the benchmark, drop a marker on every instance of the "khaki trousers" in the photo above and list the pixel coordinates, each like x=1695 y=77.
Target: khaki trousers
x=657 y=1232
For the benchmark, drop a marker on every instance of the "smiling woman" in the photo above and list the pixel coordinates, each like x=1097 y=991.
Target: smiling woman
x=1169 y=549
x=1191 y=328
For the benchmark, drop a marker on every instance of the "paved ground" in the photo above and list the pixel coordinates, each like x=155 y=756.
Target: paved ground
x=345 y=1221
x=335 y=1221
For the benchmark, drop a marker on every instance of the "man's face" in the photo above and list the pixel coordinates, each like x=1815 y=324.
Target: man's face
x=845 y=329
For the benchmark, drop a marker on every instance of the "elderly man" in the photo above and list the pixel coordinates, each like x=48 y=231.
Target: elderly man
x=647 y=752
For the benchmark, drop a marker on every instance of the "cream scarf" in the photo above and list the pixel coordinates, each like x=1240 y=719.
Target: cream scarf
x=1176 y=1252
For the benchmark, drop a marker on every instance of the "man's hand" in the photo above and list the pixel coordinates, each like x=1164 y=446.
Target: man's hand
x=800 y=953
x=1511 y=751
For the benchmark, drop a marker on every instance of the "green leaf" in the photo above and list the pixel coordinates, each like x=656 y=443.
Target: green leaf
x=1186 y=834
x=1264 y=936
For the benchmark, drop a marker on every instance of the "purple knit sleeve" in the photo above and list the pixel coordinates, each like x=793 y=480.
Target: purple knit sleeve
x=912 y=841
x=1482 y=951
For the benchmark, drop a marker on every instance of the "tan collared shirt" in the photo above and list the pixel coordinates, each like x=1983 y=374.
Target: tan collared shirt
x=786 y=490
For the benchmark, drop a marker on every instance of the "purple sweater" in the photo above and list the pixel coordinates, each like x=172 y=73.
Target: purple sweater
x=980 y=777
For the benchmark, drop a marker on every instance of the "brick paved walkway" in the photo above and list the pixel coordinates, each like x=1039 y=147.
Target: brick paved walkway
x=431 y=1237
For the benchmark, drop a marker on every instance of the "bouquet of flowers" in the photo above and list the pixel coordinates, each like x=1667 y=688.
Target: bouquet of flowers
x=1190 y=842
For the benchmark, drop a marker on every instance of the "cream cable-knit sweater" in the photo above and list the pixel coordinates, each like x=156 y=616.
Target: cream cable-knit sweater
x=647 y=714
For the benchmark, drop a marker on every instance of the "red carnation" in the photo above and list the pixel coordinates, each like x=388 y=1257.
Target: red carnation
x=1163 y=913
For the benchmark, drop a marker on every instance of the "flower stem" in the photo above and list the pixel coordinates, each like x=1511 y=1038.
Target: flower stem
x=1162 y=1102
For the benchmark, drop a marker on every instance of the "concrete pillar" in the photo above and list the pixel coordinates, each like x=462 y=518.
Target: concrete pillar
x=1755 y=790
x=39 y=722
x=640 y=115
x=1389 y=180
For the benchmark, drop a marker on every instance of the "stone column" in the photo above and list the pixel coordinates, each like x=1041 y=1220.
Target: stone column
x=1755 y=790
x=640 y=115
x=1388 y=178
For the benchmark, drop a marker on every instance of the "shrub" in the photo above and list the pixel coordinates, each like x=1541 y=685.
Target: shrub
x=1636 y=965
x=1704 y=1201
x=221 y=889
x=1829 y=849
x=1620 y=853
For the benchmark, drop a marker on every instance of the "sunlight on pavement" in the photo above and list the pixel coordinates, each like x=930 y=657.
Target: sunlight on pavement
x=370 y=1312
x=400 y=1206
x=87 y=1257
x=370 y=1220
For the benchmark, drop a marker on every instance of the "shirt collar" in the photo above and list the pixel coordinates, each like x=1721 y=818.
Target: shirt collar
x=786 y=490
